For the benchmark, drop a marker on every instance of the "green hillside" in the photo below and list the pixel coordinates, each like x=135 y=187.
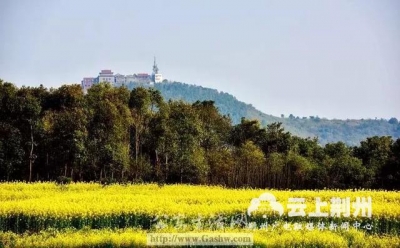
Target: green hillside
x=349 y=131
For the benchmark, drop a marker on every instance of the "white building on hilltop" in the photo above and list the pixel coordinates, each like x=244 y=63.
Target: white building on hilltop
x=119 y=79
x=87 y=82
x=106 y=76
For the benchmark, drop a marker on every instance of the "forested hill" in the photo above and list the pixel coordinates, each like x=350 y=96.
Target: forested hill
x=349 y=131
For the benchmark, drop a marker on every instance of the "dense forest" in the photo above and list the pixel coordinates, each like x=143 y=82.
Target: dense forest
x=351 y=132
x=120 y=135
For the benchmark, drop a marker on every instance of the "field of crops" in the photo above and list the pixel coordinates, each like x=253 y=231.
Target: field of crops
x=88 y=214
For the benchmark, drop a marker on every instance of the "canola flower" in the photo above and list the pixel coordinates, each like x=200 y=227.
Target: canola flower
x=38 y=206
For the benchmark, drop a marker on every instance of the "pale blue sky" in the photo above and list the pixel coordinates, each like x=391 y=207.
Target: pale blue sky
x=335 y=59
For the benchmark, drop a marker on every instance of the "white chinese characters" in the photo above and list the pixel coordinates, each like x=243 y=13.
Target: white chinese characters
x=336 y=207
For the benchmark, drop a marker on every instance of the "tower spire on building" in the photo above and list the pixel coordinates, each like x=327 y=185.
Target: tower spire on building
x=155 y=68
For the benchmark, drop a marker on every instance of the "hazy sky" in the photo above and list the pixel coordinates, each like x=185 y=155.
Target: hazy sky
x=335 y=59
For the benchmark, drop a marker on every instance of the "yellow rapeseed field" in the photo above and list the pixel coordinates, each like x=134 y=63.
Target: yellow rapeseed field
x=90 y=199
x=50 y=215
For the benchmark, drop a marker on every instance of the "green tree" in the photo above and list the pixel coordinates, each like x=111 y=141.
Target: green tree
x=275 y=168
x=247 y=130
x=249 y=165
x=374 y=153
x=391 y=169
x=28 y=110
x=345 y=170
x=108 y=130
x=139 y=104
x=185 y=143
x=11 y=152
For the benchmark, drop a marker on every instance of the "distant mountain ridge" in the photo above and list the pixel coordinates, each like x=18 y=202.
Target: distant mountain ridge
x=350 y=132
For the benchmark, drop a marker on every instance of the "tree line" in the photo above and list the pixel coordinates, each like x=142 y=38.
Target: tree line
x=117 y=135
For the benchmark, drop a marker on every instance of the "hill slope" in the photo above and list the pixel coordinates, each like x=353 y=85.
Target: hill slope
x=349 y=131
